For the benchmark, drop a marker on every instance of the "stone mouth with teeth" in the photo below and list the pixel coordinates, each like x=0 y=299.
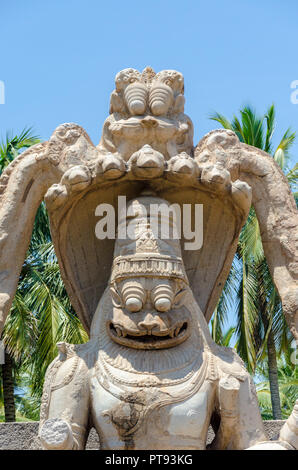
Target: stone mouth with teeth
x=149 y=339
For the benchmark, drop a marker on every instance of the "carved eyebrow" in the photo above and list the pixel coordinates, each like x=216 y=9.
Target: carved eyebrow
x=180 y=294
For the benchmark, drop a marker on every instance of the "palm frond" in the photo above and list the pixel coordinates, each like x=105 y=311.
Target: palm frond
x=14 y=143
x=252 y=127
x=222 y=120
x=250 y=243
x=247 y=315
x=281 y=155
x=20 y=331
x=270 y=120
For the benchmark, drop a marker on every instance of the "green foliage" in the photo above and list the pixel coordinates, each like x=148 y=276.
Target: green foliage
x=258 y=131
x=255 y=290
x=41 y=314
x=12 y=146
x=224 y=305
x=258 y=307
x=288 y=388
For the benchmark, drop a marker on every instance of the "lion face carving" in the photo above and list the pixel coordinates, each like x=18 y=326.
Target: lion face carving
x=149 y=313
x=147 y=108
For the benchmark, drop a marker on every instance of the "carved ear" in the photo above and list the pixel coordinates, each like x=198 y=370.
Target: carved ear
x=179 y=298
x=179 y=104
x=116 y=103
x=116 y=299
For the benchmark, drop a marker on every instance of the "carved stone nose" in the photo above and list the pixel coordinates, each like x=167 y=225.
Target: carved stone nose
x=148 y=324
x=149 y=122
x=148 y=161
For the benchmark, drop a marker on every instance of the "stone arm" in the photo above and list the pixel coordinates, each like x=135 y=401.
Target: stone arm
x=241 y=424
x=274 y=205
x=64 y=416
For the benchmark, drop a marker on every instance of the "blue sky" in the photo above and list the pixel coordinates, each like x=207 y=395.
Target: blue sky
x=59 y=58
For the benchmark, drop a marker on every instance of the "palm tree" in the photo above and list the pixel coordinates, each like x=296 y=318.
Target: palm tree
x=13 y=145
x=288 y=386
x=9 y=149
x=225 y=338
x=41 y=314
x=261 y=328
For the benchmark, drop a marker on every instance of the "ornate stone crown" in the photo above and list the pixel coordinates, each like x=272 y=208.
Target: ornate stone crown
x=147 y=254
x=148 y=265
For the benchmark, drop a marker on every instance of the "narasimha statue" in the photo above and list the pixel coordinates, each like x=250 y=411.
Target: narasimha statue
x=150 y=377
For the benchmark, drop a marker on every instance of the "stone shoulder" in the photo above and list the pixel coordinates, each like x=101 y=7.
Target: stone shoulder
x=230 y=364
x=70 y=359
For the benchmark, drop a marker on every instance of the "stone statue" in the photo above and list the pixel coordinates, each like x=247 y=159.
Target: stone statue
x=150 y=376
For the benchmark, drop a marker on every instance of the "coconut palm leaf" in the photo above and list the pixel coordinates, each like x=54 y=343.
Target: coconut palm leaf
x=224 y=305
x=41 y=314
x=281 y=154
x=20 y=332
x=247 y=315
x=288 y=388
x=270 y=122
x=222 y=120
x=13 y=144
x=259 y=310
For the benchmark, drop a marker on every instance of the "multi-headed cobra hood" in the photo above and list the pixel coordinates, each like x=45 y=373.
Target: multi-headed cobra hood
x=147 y=142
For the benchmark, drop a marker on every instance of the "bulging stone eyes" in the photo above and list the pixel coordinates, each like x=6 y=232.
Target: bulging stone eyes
x=136 y=97
x=162 y=297
x=133 y=304
x=134 y=297
x=160 y=98
x=163 y=304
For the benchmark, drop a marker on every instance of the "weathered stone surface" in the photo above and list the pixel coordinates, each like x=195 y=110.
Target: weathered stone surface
x=22 y=436
x=151 y=375
x=77 y=176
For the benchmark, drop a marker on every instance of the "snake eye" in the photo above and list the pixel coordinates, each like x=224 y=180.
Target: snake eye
x=133 y=304
x=163 y=304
